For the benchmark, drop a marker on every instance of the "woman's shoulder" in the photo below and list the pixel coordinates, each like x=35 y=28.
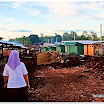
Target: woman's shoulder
x=22 y=63
x=6 y=65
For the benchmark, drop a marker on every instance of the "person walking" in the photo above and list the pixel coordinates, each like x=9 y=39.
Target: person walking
x=16 y=82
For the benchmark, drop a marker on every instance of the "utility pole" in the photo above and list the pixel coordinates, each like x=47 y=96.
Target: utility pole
x=101 y=32
x=62 y=37
x=92 y=36
x=51 y=40
x=22 y=40
x=56 y=39
x=74 y=36
x=48 y=40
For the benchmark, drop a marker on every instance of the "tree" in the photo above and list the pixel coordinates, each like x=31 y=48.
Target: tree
x=42 y=38
x=94 y=36
x=28 y=42
x=66 y=36
x=85 y=33
x=34 y=38
x=58 y=37
x=72 y=35
x=86 y=36
x=103 y=37
x=83 y=37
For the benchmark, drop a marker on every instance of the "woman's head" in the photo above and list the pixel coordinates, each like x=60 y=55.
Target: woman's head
x=13 y=60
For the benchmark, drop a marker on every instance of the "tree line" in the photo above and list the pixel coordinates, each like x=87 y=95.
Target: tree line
x=34 y=38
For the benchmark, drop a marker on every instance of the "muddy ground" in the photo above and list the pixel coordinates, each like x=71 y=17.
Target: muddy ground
x=72 y=84
x=65 y=84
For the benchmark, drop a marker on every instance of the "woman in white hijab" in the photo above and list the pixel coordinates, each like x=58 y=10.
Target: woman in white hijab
x=15 y=78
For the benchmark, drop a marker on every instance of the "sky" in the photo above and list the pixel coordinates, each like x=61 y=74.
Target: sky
x=22 y=18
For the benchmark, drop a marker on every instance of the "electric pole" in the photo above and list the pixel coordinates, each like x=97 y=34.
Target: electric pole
x=56 y=39
x=74 y=36
x=101 y=32
x=62 y=37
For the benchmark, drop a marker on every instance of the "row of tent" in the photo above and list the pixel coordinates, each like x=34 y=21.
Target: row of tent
x=81 y=47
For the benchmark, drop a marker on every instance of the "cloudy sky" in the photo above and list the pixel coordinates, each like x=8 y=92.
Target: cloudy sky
x=49 y=17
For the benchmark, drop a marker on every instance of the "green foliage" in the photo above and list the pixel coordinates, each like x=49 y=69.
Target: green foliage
x=34 y=38
x=102 y=37
x=94 y=36
x=41 y=38
x=28 y=42
x=66 y=37
x=58 y=37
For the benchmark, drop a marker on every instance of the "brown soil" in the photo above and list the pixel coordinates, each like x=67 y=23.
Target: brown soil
x=76 y=84
x=73 y=84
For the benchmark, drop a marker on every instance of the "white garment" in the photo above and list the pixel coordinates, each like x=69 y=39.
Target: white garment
x=15 y=77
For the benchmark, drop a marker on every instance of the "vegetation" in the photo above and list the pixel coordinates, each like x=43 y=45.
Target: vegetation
x=33 y=38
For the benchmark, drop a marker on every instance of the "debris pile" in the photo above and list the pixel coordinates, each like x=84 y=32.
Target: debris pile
x=95 y=63
x=77 y=84
x=72 y=55
x=72 y=81
x=72 y=59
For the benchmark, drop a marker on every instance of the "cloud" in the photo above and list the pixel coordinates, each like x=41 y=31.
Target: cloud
x=8 y=20
x=34 y=12
x=3 y=29
x=21 y=31
x=24 y=6
x=9 y=4
x=101 y=15
x=74 y=30
x=68 y=30
x=67 y=9
x=62 y=16
x=94 y=10
x=62 y=9
x=15 y=5
x=94 y=5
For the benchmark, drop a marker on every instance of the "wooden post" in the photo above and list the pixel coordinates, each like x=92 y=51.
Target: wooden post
x=20 y=52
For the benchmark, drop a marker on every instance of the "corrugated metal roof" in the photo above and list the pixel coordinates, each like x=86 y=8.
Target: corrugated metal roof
x=92 y=42
x=87 y=42
x=12 y=43
x=59 y=43
x=83 y=41
x=71 y=43
x=7 y=42
x=50 y=44
x=20 y=45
